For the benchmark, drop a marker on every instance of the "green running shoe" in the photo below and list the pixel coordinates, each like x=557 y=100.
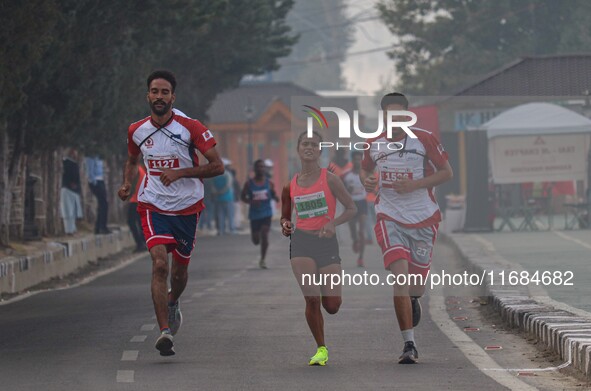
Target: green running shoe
x=320 y=358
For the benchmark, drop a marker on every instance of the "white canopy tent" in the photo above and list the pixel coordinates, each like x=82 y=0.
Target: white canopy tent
x=538 y=142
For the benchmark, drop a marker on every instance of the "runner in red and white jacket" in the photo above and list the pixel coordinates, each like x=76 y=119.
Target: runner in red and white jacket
x=407 y=213
x=171 y=197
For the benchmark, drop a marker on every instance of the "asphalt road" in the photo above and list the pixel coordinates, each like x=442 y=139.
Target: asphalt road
x=244 y=329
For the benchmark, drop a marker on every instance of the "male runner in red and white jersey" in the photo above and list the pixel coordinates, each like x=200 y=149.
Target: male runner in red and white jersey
x=171 y=197
x=407 y=213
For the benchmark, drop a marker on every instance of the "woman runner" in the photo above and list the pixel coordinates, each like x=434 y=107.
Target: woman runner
x=314 y=250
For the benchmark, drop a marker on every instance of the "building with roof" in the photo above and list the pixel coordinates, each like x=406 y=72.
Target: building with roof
x=562 y=79
x=262 y=121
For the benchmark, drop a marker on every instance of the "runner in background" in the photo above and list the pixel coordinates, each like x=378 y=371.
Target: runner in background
x=340 y=163
x=258 y=193
x=269 y=165
x=370 y=199
x=314 y=249
x=223 y=191
x=357 y=191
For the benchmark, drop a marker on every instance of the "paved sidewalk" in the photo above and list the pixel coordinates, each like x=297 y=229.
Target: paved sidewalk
x=557 y=315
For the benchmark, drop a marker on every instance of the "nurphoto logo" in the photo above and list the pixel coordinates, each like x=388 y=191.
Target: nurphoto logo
x=402 y=119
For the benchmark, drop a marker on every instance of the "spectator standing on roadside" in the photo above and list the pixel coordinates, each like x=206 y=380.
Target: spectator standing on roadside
x=96 y=182
x=70 y=204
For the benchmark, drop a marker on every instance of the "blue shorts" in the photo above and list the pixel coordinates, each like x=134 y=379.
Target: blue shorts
x=176 y=232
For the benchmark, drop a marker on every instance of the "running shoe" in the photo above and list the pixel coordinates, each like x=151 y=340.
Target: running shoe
x=175 y=317
x=360 y=262
x=320 y=358
x=164 y=344
x=409 y=354
x=262 y=263
x=416 y=311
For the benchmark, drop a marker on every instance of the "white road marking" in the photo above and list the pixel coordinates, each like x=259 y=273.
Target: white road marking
x=138 y=338
x=148 y=327
x=474 y=353
x=575 y=240
x=125 y=376
x=197 y=294
x=130 y=355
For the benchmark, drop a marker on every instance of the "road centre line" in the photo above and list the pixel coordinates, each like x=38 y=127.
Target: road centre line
x=125 y=377
x=130 y=355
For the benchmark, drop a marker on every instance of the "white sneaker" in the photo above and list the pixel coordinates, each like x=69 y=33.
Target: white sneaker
x=165 y=345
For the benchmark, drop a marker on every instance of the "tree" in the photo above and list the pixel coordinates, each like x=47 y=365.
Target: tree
x=24 y=41
x=223 y=41
x=325 y=34
x=73 y=71
x=446 y=44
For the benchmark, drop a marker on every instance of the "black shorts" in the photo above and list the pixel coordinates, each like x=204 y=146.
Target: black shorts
x=361 y=207
x=324 y=251
x=258 y=224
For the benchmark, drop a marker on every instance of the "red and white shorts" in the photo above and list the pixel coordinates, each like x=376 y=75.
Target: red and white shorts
x=176 y=232
x=413 y=244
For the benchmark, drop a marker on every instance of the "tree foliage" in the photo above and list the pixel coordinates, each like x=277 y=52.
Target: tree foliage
x=325 y=34
x=74 y=71
x=445 y=44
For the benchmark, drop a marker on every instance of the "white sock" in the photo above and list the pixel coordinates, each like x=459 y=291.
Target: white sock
x=408 y=335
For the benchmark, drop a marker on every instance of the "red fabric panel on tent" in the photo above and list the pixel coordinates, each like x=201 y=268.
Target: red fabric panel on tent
x=427 y=118
x=566 y=188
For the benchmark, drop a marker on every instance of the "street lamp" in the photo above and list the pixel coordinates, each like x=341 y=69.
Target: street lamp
x=248 y=113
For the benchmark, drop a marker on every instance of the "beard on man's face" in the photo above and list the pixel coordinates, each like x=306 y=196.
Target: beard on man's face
x=159 y=107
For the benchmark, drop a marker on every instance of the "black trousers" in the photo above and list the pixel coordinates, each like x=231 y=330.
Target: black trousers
x=100 y=192
x=134 y=221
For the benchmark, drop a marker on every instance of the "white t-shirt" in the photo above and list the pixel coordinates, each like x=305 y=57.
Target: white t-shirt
x=175 y=146
x=354 y=185
x=421 y=157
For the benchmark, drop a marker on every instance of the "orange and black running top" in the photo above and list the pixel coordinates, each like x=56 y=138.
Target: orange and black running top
x=314 y=205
